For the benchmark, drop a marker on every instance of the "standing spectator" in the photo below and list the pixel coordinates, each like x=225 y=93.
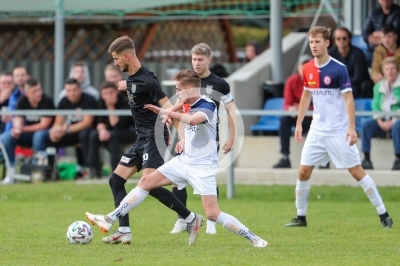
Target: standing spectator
x=74 y=129
x=354 y=58
x=29 y=130
x=292 y=95
x=388 y=48
x=113 y=74
x=111 y=130
x=386 y=98
x=20 y=76
x=80 y=72
x=6 y=88
x=251 y=50
x=386 y=13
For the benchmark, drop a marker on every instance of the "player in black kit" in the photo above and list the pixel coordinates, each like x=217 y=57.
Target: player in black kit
x=218 y=90
x=142 y=88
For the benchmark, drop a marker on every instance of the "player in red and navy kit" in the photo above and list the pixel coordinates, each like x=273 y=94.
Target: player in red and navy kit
x=332 y=134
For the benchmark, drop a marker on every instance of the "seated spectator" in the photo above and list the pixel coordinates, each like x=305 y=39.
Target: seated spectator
x=20 y=76
x=113 y=74
x=74 y=129
x=388 y=48
x=292 y=95
x=80 y=72
x=112 y=130
x=386 y=13
x=29 y=130
x=386 y=98
x=354 y=58
x=6 y=88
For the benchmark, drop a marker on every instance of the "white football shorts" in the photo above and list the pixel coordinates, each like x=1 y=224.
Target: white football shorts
x=319 y=150
x=201 y=177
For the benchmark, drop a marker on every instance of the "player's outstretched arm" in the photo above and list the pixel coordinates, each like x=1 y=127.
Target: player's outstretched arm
x=351 y=135
x=188 y=119
x=303 y=107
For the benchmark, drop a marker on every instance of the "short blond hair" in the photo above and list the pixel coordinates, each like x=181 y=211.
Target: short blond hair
x=202 y=49
x=326 y=33
x=188 y=77
x=390 y=60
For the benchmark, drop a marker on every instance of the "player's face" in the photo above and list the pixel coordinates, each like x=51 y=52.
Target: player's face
x=78 y=73
x=200 y=63
x=73 y=92
x=20 y=76
x=109 y=96
x=112 y=76
x=121 y=60
x=390 y=72
x=318 y=45
x=182 y=92
x=34 y=93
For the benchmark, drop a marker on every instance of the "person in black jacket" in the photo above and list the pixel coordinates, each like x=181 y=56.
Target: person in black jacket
x=111 y=130
x=386 y=13
x=354 y=58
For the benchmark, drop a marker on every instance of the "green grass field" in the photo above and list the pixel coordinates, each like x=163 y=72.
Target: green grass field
x=343 y=228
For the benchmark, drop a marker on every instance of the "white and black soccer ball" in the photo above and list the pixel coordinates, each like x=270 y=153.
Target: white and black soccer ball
x=79 y=233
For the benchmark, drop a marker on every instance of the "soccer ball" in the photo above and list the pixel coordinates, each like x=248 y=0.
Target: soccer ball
x=79 y=233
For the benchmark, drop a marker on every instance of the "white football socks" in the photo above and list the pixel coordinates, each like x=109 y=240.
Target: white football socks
x=132 y=200
x=233 y=225
x=372 y=192
x=302 y=193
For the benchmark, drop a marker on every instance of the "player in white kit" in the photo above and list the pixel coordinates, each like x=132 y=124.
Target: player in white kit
x=332 y=134
x=196 y=165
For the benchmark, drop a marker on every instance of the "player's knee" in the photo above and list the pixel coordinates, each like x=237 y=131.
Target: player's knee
x=305 y=172
x=116 y=181
x=145 y=183
x=357 y=172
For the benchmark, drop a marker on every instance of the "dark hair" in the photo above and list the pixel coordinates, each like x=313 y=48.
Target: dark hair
x=389 y=28
x=32 y=82
x=121 y=44
x=71 y=81
x=108 y=84
x=343 y=29
x=79 y=63
x=220 y=71
x=6 y=73
x=188 y=77
x=26 y=69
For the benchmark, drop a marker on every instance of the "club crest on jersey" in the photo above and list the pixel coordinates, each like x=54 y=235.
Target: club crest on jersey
x=209 y=89
x=327 y=80
x=310 y=76
x=133 y=88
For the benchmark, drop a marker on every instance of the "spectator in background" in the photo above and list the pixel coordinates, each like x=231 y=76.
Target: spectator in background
x=80 y=72
x=292 y=95
x=74 y=129
x=219 y=70
x=20 y=76
x=386 y=13
x=112 y=130
x=6 y=88
x=388 y=48
x=113 y=74
x=29 y=130
x=386 y=98
x=251 y=50
x=354 y=58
